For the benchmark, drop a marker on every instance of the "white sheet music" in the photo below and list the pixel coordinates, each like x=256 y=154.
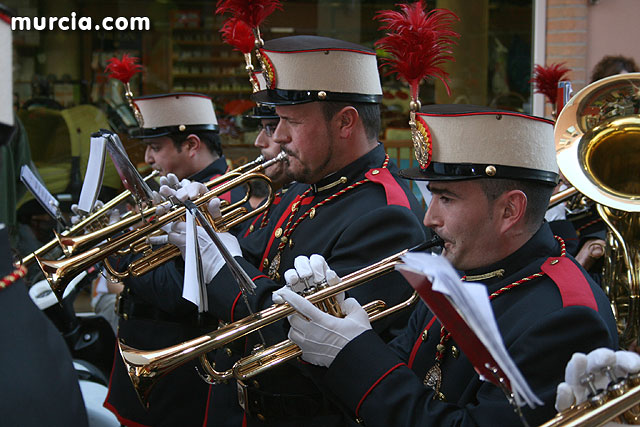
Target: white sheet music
x=94 y=174
x=39 y=191
x=472 y=303
x=193 y=288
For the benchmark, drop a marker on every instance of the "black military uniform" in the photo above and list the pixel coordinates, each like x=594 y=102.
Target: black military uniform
x=545 y=305
x=153 y=315
x=353 y=218
x=537 y=319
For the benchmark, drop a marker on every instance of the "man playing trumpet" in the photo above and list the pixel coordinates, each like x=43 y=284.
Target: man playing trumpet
x=491 y=175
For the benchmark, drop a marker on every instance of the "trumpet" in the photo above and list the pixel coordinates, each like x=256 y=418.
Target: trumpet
x=618 y=402
x=83 y=224
x=60 y=272
x=72 y=244
x=146 y=367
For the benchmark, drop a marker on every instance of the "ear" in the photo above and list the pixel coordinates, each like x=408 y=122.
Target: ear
x=512 y=207
x=346 y=120
x=192 y=144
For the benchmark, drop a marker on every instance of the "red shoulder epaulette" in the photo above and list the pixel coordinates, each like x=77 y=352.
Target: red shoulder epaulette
x=393 y=190
x=573 y=286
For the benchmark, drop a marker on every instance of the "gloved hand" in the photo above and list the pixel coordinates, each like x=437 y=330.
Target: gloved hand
x=114 y=214
x=308 y=272
x=212 y=260
x=321 y=336
x=170 y=187
x=592 y=368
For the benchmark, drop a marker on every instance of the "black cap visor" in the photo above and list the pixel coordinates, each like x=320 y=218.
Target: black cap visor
x=462 y=171
x=292 y=97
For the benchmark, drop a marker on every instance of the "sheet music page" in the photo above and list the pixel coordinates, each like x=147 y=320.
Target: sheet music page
x=39 y=191
x=472 y=303
x=93 y=177
x=131 y=178
x=192 y=285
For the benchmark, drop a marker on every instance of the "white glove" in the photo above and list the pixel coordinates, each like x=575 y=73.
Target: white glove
x=321 y=336
x=212 y=260
x=310 y=272
x=583 y=369
x=79 y=216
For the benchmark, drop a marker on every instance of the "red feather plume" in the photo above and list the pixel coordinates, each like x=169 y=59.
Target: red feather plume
x=252 y=12
x=418 y=42
x=238 y=34
x=123 y=69
x=545 y=80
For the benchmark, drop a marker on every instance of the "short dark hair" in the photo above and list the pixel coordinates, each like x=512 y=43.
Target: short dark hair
x=369 y=113
x=611 y=65
x=211 y=139
x=538 y=195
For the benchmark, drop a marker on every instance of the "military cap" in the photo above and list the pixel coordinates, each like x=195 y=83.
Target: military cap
x=174 y=113
x=300 y=69
x=470 y=142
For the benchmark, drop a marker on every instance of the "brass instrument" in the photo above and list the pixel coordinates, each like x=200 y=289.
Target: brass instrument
x=145 y=367
x=71 y=245
x=60 y=272
x=619 y=402
x=598 y=150
x=84 y=224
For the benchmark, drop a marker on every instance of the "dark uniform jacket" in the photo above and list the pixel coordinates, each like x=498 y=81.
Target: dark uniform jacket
x=542 y=321
x=368 y=214
x=158 y=317
x=39 y=384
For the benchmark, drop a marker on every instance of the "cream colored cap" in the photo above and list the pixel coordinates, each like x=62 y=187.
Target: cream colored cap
x=469 y=141
x=174 y=113
x=301 y=69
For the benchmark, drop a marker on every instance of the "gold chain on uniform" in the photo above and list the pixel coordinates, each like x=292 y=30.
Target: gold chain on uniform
x=286 y=232
x=433 y=378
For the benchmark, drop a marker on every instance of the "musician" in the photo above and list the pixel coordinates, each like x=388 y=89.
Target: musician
x=181 y=134
x=347 y=203
x=488 y=206
x=39 y=384
x=268 y=121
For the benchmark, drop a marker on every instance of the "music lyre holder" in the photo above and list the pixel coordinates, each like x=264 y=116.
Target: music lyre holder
x=502 y=384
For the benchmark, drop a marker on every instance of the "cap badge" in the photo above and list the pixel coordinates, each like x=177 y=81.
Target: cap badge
x=421 y=137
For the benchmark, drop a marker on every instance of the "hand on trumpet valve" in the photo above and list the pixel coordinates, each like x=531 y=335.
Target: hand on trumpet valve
x=114 y=214
x=310 y=272
x=588 y=375
x=212 y=261
x=320 y=335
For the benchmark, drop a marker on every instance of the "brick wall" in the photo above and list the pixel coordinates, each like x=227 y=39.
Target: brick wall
x=567 y=39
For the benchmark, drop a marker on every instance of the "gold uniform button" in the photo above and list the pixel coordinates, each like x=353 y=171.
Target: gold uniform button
x=455 y=352
x=261 y=417
x=425 y=335
x=265 y=263
x=278 y=233
x=228 y=351
x=291 y=243
x=250 y=228
x=490 y=170
x=375 y=172
x=181 y=128
x=312 y=213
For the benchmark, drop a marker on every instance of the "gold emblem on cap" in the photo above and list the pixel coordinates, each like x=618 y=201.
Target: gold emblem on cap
x=490 y=170
x=278 y=233
x=181 y=128
x=322 y=94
